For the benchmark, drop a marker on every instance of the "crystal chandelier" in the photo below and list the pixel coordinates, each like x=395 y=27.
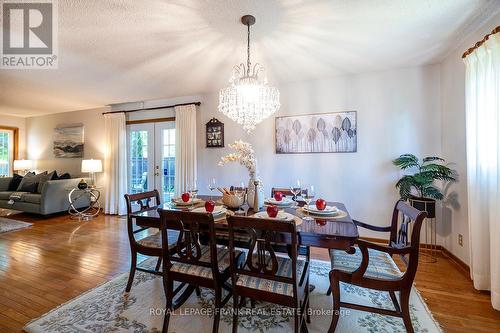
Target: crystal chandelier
x=248 y=100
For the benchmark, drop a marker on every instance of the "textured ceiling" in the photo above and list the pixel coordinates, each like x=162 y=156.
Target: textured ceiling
x=125 y=50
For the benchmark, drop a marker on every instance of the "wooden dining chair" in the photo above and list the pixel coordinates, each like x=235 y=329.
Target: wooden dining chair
x=149 y=245
x=371 y=265
x=266 y=276
x=193 y=263
x=286 y=192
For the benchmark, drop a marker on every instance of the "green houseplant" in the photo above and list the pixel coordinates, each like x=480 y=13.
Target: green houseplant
x=419 y=187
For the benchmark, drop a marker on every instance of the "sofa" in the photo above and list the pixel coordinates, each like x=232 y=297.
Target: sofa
x=53 y=197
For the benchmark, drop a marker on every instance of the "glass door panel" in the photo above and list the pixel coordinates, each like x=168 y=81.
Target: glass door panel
x=141 y=157
x=6 y=152
x=165 y=159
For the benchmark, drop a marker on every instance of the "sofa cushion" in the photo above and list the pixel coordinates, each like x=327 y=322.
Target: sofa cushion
x=43 y=178
x=5 y=195
x=29 y=184
x=32 y=198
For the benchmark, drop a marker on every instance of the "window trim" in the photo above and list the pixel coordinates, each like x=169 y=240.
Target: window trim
x=15 y=142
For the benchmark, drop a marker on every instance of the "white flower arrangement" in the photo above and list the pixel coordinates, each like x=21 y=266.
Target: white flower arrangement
x=244 y=154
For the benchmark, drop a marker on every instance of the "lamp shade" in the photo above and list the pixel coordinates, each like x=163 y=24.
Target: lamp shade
x=91 y=165
x=23 y=164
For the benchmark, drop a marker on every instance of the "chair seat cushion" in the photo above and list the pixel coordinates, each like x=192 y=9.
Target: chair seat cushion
x=380 y=264
x=284 y=269
x=223 y=260
x=154 y=240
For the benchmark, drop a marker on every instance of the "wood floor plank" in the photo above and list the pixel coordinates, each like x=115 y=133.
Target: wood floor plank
x=59 y=258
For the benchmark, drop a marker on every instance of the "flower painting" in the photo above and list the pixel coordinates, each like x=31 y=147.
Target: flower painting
x=334 y=132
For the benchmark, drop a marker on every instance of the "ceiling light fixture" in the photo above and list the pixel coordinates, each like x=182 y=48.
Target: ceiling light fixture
x=248 y=99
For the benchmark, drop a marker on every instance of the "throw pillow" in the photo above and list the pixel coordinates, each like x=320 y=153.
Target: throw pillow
x=42 y=179
x=14 y=183
x=54 y=176
x=29 y=184
x=65 y=176
x=25 y=179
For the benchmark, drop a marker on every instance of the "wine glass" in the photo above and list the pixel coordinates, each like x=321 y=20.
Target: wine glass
x=308 y=195
x=212 y=185
x=193 y=191
x=295 y=188
x=239 y=191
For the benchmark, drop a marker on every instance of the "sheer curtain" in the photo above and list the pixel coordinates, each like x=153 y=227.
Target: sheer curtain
x=483 y=165
x=115 y=163
x=185 y=147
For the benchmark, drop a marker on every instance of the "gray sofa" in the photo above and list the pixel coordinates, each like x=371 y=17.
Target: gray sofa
x=52 y=199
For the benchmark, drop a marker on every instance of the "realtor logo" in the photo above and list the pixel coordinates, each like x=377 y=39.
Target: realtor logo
x=29 y=34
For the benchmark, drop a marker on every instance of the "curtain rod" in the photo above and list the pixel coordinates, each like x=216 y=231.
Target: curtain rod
x=481 y=42
x=154 y=108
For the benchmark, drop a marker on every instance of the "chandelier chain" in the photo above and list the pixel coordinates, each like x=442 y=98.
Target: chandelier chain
x=248 y=49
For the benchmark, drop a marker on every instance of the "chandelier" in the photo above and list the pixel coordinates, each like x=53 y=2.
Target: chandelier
x=248 y=99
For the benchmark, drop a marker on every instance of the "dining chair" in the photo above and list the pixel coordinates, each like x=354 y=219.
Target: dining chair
x=266 y=276
x=193 y=263
x=286 y=192
x=149 y=245
x=371 y=265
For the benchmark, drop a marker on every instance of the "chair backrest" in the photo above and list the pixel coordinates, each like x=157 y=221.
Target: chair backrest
x=286 y=191
x=261 y=260
x=144 y=201
x=188 y=248
x=405 y=232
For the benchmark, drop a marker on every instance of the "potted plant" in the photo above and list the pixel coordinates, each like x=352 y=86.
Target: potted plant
x=419 y=188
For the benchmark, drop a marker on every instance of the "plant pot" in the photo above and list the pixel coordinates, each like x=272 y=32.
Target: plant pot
x=425 y=205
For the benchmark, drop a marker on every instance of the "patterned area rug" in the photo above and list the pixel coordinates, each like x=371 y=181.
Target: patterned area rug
x=108 y=309
x=7 y=225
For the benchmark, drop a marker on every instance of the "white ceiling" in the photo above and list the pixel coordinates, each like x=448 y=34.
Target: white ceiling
x=126 y=50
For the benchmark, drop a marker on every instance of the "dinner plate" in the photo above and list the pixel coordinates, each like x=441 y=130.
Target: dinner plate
x=179 y=202
x=329 y=210
x=284 y=202
x=284 y=216
x=218 y=210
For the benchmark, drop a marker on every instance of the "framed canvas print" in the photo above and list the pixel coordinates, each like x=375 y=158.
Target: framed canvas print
x=334 y=132
x=215 y=134
x=68 y=141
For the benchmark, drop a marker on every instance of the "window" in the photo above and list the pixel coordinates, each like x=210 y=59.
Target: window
x=7 y=151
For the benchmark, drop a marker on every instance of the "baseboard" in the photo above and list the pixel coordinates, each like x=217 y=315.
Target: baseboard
x=464 y=268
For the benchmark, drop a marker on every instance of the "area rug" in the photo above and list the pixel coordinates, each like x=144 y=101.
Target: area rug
x=7 y=225
x=108 y=309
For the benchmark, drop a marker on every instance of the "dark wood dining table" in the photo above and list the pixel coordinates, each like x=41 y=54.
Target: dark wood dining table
x=315 y=231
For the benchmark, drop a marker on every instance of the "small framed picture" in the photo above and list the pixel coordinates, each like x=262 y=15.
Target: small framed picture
x=215 y=134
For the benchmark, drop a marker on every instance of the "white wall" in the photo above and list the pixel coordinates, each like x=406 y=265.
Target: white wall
x=40 y=132
x=20 y=123
x=398 y=112
x=454 y=143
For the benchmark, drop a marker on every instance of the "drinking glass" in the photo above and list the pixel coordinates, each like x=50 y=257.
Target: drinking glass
x=308 y=195
x=295 y=188
x=212 y=185
x=239 y=191
x=193 y=191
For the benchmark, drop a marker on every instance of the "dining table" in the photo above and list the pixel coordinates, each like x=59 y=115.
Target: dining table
x=314 y=231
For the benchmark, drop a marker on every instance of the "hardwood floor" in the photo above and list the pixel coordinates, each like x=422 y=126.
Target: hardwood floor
x=59 y=258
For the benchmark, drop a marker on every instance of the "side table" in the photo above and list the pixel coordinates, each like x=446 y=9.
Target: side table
x=86 y=213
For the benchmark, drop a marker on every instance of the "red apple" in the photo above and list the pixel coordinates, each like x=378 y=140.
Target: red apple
x=320 y=204
x=278 y=196
x=209 y=206
x=272 y=211
x=185 y=197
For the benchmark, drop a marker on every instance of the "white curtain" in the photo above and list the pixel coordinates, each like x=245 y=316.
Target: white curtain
x=185 y=147
x=483 y=165
x=115 y=163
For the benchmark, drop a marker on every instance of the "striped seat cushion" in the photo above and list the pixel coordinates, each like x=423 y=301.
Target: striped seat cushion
x=223 y=260
x=154 y=240
x=284 y=269
x=380 y=264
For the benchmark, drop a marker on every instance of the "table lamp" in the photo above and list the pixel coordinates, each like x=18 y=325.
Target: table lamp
x=23 y=165
x=92 y=166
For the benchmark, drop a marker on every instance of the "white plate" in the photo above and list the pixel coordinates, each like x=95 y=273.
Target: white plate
x=281 y=216
x=329 y=210
x=218 y=210
x=179 y=202
x=284 y=202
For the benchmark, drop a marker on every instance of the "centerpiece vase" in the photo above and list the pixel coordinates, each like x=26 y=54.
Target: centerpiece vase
x=252 y=189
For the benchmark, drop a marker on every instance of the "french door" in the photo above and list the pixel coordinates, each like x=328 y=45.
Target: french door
x=151 y=156
x=6 y=152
